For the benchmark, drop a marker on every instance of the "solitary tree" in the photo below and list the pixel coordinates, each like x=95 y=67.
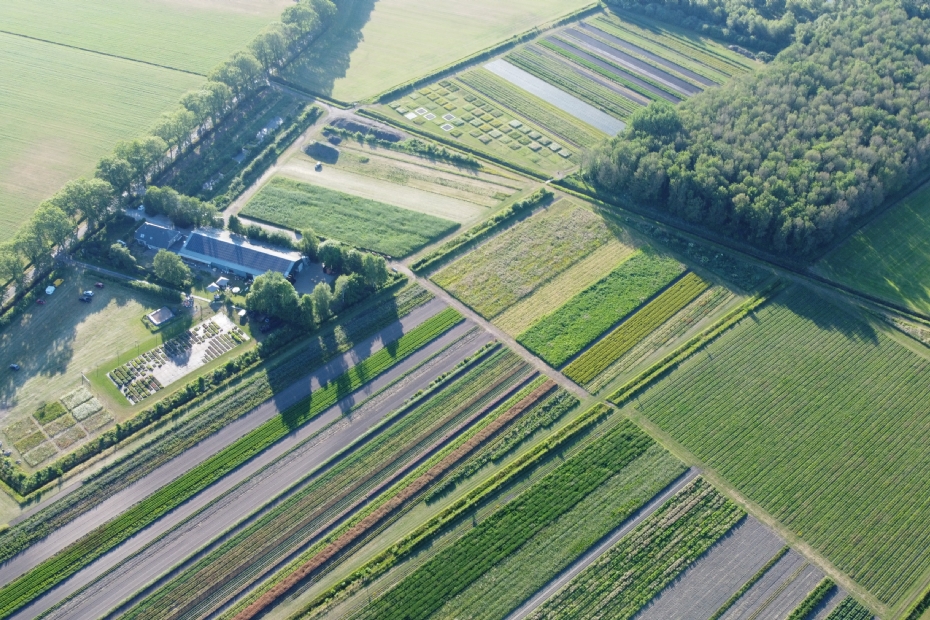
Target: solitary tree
x=170 y=268
x=322 y=301
x=374 y=270
x=309 y=243
x=272 y=294
x=121 y=257
x=330 y=254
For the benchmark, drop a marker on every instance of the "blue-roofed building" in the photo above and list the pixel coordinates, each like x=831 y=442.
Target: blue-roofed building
x=156 y=237
x=235 y=254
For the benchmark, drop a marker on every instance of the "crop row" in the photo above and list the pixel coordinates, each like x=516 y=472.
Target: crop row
x=455 y=568
x=668 y=331
x=371 y=521
x=506 y=95
x=672 y=42
x=596 y=359
x=678 y=65
x=566 y=331
x=813 y=600
x=780 y=404
x=334 y=492
x=636 y=569
x=64 y=564
x=749 y=584
x=850 y=609
x=554 y=71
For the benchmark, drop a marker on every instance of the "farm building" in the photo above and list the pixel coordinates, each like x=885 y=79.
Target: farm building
x=234 y=254
x=156 y=237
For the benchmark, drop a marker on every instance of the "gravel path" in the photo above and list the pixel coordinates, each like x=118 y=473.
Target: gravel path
x=598 y=550
x=115 y=505
x=714 y=578
x=258 y=484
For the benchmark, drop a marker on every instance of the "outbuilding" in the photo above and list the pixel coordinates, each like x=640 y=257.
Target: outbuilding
x=234 y=254
x=156 y=237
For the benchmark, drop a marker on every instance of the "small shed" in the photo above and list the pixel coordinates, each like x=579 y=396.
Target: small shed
x=213 y=287
x=161 y=316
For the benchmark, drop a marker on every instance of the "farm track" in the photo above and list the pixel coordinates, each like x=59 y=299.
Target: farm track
x=597 y=551
x=264 y=488
x=713 y=579
x=141 y=489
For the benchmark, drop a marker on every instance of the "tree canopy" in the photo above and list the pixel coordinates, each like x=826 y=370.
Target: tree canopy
x=170 y=268
x=788 y=157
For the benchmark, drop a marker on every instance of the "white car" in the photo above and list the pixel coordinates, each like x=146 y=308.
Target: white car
x=88 y=293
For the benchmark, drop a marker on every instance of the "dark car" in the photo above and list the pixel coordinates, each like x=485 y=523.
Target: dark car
x=41 y=302
x=99 y=285
x=14 y=366
x=85 y=299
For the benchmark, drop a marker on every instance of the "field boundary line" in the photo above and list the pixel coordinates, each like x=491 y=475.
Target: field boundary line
x=99 y=53
x=599 y=548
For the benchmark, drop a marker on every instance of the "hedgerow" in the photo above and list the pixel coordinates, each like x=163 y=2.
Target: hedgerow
x=812 y=600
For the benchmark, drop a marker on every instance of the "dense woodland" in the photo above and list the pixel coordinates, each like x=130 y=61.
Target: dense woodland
x=788 y=157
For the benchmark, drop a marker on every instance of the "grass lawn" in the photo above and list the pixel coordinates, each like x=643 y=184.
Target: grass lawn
x=356 y=221
x=61 y=110
x=890 y=257
x=194 y=35
x=821 y=419
x=379 y=44
x=515 y=263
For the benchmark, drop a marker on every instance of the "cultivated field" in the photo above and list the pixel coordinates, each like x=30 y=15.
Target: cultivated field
x=515 y=263
x=62 y=110
x=778 y=591
x=193 y=35
x=357 y=221
x=890 y=257
x=634 y=570
x=810 y=412
x=378 y=45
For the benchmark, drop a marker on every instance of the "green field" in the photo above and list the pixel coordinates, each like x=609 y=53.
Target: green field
x=62 y=109
x=193 y=35
x=356 y=221
x=890 y=257
x=821 y=420
x=381 y=44
x=563 y=333
x=515 y=263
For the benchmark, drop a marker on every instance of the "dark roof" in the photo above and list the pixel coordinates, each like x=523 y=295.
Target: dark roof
x=252 y=258
x=156 y=236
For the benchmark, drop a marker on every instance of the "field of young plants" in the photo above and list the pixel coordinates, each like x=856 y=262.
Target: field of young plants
x=811 y=412
x=632 y=572
x=562 y=334
x=454 y=569
x=517 y=262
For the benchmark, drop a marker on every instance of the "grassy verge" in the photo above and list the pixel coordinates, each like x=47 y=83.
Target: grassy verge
x=27 y=587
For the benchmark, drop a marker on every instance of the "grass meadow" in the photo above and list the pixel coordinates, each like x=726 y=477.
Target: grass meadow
x=515 y=263
x=61 y=110
x=379 y=44
x=193 y=35
x=359 y=222
x=820 y=419
x=890 y=257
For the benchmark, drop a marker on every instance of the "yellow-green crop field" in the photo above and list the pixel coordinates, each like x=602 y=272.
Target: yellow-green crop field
x=377 y=45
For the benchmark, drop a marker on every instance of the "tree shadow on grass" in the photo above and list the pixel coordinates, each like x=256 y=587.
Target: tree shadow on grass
x=328 y=59
x=825 y=314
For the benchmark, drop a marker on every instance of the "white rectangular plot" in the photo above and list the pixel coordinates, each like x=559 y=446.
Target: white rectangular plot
x=554 y=96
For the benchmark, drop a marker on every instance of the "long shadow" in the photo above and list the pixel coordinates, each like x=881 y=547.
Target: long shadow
x=328 y=58
x=826 y=315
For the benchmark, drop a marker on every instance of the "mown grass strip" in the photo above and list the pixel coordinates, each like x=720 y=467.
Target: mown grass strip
x=563 y=333
x=595 y=360
x=752 y=581
x=812 y=600
x=78 y=555
x=455 y=568
x=633 y=571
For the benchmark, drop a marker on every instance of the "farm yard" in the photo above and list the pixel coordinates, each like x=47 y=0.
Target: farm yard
x=890 y=257
x=359 y=222
x=835 y=390
x=379 y=45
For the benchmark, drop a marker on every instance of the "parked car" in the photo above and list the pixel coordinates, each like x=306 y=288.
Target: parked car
x=88 y=293
x=98 y=285
x=14 y=366
x=41 y=302
x=84 y=298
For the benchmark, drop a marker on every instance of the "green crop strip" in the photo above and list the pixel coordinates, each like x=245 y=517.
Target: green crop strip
x=595 y=360
x=850 y=609
x=61 y=566
x=633 y=571
x=452 y=570
x=563 y=333
x=812 y=600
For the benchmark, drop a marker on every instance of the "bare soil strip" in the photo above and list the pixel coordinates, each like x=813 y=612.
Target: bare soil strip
x=790 y=579
x=597 y=551
x=135 y=493
x=712 y=580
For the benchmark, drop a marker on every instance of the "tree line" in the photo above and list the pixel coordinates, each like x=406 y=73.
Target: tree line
x=792 y=155
x=133 y=163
